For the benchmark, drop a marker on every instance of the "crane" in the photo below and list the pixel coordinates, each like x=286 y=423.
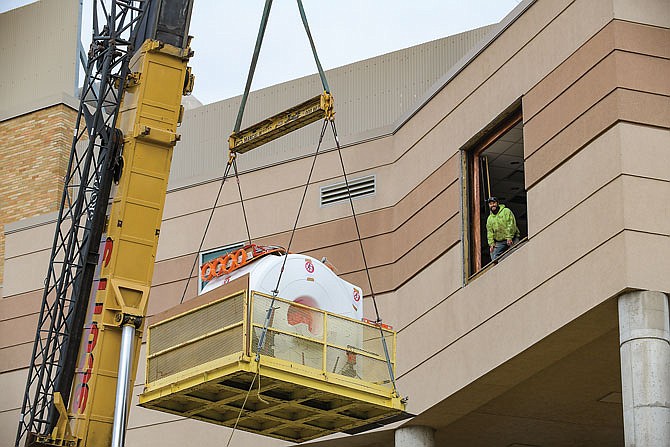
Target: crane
x=91 y=321
x=102 y=256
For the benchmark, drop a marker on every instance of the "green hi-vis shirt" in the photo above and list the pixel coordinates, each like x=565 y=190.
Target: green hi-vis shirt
x=501 y=226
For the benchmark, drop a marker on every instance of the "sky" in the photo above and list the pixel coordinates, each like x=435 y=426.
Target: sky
x=344 y=31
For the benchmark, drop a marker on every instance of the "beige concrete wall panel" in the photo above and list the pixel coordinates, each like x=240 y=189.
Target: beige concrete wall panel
x=9 y=422
x=629 y=37
x=420 y=294
x=190 y=432
x=40 y=41
x=498 y=335
x=185 y=233
x=644 y=205
x=284 y=176
x=646 y=260
x=381 y=220
x=389 y=277
x=18 y=330
x=393 y=184
x=28 y=240
x=624 y=148
x=652 y=12
x=619 y=105
x=444 y=208
x=26 y=273
x=166 y=296
x=596 y=165
x=174 y=269
x=359 y=160
x=199 y=197
x=16 y=356
x=389 y=248
x=617 y=70
x=19 y=305
x=645 y=151
x=435 y=183
x=570 y=237
x=567 y=241
x=266 y=216
x=434 y=152
x=13 y=385
x=338 y=231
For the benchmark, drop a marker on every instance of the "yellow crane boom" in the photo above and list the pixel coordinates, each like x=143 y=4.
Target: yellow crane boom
x=150 y=113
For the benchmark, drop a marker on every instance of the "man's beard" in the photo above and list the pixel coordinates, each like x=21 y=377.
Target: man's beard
x=495 y=209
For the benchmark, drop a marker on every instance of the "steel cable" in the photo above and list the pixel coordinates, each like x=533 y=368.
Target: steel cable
x=231 y=160
x=365 y=262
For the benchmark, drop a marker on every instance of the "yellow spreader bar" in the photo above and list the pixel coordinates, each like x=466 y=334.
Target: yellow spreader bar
x=315 y=109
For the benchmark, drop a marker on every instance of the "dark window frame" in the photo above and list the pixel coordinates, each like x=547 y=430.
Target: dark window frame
x=472 y=178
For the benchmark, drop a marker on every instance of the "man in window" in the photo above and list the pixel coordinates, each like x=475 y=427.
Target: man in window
x=501 y=229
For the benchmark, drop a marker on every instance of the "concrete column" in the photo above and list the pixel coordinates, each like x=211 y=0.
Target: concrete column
x=415 y=436
x=644 y=335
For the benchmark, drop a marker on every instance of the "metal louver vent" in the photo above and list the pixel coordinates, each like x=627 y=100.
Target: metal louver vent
x=358 y=187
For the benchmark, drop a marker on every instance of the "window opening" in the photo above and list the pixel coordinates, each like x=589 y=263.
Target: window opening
x=495 y=168
x=207 y=256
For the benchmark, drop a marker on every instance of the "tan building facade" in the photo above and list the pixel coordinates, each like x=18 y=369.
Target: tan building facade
x=37 y=111
x=563 y=109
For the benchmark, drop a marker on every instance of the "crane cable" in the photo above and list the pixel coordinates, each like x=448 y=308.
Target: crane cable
x=257 y=50
x=322 y=75
x=239 y=189
x=231 y=159
x=378 y=321
x=252 y=66
x=275 y=292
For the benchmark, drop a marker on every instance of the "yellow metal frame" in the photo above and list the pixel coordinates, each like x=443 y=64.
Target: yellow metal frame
x=150 y=113
x=325 y=342
x=348 y=403
x=312 y=110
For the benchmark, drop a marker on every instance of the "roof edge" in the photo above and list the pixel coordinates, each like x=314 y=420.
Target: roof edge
x=441 y=83
x=39 y=104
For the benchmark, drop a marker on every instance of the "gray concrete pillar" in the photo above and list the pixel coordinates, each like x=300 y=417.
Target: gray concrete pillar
x=415 y=436
x=644 y=335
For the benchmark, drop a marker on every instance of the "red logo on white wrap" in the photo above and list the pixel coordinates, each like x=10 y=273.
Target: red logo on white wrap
x=357 y=295
x=309 y=266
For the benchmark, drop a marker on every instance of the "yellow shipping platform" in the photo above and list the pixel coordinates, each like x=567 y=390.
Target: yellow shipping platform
x=319 y=373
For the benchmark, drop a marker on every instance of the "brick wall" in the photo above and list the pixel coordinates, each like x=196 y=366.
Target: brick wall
x=34 y=150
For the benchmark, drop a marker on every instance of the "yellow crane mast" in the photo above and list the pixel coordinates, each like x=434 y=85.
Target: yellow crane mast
x=150 y=113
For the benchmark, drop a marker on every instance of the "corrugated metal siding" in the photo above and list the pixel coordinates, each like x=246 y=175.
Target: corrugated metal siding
x=369 y=96
x=40 y=40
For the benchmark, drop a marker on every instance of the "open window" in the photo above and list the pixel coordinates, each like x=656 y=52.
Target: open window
x=494 y=167
x=207 y=256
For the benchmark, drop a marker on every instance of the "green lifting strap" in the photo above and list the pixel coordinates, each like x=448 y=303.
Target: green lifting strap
x=254 y=59
x=257 y=50
x=324 y=82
